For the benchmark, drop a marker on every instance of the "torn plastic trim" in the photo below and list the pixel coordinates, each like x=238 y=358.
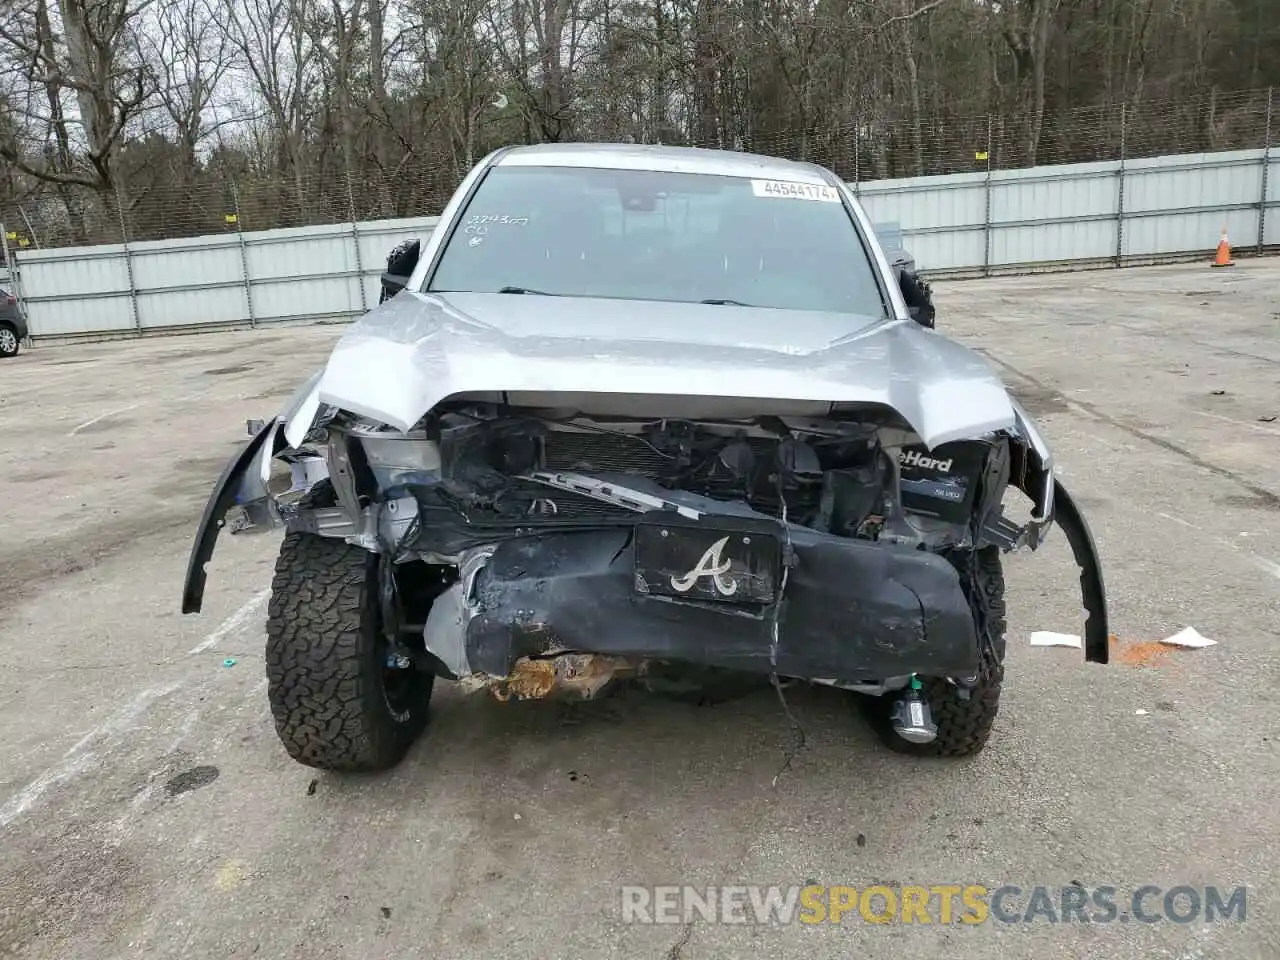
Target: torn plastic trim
x=1036 y=478
x=1093 y=593
x=224 y=496
x=452 y=612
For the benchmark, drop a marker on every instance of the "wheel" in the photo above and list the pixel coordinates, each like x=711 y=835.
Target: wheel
x=964 y=726
x=336 y=703
x=8 y=341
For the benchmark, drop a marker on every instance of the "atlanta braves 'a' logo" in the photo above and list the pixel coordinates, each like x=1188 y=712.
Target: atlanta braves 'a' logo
x=709 y=565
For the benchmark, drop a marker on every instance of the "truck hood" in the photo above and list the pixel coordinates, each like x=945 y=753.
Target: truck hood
x=402 y=358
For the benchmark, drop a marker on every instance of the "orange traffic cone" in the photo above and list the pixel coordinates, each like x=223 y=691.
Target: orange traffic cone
x=1223 y=259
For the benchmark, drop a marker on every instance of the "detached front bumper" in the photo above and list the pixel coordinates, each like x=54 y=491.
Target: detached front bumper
x=851 y=611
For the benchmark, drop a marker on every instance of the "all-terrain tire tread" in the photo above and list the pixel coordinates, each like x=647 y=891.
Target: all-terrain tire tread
x=964 y=726
x=322 y=674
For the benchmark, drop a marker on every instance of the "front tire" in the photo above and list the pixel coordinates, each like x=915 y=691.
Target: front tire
x=336 y=704
x=964 y=726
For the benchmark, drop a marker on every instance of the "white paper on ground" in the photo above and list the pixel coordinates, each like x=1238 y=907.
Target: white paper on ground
x=1047 y=638
x=1189 y=637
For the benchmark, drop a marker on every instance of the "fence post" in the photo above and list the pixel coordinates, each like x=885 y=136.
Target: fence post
x=986 y=215
x=244 y=257
x=355 y=243
x=9 y=263
x=8 y=254
x=1266 y=169
x=1124 y=150
x=35 y=237
x=128 y=262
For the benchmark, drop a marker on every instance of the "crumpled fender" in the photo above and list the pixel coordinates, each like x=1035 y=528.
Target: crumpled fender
x=1037 y=474
x=244 y=480
x=225 y=495
x=300 y=412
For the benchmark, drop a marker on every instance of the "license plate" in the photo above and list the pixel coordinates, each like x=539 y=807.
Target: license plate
x=696 y=561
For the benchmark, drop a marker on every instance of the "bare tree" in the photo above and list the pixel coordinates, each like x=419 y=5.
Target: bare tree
x=91 y=56
x=539 y=43
x=279 y=58
x=1027 y=28
x=338 y=32
x=327 y=109
x=193 y=54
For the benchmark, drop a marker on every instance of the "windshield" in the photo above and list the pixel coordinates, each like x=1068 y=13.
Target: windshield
x=646 y=235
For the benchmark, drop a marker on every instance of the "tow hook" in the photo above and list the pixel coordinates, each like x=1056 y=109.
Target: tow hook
x=912 y=720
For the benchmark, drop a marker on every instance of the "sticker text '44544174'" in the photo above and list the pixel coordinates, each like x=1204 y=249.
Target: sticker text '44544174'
x=790 y=190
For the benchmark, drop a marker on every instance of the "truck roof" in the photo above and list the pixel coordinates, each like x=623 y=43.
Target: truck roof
x=633 y=156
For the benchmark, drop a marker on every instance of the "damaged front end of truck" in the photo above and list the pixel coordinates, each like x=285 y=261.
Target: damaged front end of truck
x=542 y=543
x=643 y=415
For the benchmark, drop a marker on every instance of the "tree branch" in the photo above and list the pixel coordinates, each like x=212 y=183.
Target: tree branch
x=9 y=154
x=931 y=5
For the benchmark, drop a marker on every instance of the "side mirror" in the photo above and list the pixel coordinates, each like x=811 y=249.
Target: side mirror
x=923 y=315
x=918 y=296
x=401 y=262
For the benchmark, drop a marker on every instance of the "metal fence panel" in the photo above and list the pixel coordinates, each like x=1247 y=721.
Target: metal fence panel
x=1048 y=217
x=942 y=218
x=303 y=272
x=976 y=222
x=1174 y=207
x=186 y=282
x=76 y=290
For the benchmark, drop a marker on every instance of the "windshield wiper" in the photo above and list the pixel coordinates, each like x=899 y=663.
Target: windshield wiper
x=726 y=302
x=539 y=293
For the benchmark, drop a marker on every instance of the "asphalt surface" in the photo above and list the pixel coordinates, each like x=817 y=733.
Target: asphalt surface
x=147 y=809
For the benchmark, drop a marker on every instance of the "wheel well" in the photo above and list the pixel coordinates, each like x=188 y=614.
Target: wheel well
x=418 y=584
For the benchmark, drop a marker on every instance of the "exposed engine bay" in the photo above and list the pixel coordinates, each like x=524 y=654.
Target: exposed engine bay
x=473 y=473
x=522 y=537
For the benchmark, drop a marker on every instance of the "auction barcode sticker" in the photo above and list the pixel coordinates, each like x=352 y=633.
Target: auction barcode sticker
x=790 y=190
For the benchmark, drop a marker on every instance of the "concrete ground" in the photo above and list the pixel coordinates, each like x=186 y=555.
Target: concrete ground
x=147 y=809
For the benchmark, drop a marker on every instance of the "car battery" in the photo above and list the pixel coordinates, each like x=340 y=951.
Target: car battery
x=942 y=482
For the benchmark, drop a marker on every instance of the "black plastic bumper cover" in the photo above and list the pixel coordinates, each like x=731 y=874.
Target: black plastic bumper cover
x=1093 y=592
x=851 y=610
x=221 y=500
